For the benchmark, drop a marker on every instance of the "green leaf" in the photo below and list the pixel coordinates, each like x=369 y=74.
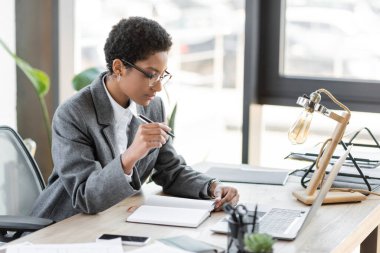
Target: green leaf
x=85 y=77
x=171 y=121
x=5 y=47
x=39 y=79
x=259 y=243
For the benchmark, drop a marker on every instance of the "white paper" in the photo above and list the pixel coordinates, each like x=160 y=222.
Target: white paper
x=185 y=217
x=158 y=247
x=4 y=247
x=67 y=248
x=110 y=241
x=172 y=211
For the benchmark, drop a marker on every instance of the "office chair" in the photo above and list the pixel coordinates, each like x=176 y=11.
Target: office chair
x=20 y=185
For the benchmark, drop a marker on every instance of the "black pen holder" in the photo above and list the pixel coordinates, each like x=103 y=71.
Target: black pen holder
x=236 y=233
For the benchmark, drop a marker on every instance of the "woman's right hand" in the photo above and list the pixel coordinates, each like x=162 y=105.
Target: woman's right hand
x=148 y=136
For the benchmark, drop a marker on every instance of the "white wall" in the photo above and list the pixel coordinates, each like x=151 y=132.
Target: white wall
x=7 y=64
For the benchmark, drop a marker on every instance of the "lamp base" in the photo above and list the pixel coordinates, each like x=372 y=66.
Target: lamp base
x=332 y=197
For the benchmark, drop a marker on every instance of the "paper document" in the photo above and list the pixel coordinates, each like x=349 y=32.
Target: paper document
x=158 y=247
x=193 y=245
x=349 y=170
x=364 y=157
x=67 y=248
x=172 y=211
x=254 y=175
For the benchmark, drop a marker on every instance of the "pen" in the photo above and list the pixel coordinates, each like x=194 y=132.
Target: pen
x=231 y=211
x=147 y=120
x=241 y=211
x=254 y=219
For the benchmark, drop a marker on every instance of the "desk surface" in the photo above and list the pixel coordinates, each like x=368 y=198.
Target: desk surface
x=335 y=228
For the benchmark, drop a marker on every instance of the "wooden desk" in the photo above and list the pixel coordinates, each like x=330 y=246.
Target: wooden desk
x=335 y=228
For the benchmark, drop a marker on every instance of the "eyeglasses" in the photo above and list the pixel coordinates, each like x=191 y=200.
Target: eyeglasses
x=153 y=78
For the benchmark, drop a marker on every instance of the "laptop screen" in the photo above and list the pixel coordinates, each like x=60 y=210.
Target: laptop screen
x=325 y=189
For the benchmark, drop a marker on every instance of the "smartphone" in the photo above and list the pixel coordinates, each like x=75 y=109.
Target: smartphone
x=127 y=239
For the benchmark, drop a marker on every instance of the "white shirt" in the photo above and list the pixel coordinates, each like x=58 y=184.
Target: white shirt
x=123 y=117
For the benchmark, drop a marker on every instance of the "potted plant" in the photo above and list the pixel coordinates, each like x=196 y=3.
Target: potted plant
x=258 y=243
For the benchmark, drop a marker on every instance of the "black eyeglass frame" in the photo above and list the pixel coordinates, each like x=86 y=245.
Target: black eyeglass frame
x=146 y=74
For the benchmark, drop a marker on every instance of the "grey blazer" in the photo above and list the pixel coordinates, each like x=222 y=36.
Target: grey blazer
x=88 y=177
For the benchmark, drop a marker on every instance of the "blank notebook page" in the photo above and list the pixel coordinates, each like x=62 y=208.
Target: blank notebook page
x=173 y=216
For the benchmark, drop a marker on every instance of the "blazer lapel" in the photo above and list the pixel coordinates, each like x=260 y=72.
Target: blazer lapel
x=108 y=133
x=104 y=111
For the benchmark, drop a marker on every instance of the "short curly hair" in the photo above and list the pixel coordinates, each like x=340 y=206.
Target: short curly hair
x=134 y=39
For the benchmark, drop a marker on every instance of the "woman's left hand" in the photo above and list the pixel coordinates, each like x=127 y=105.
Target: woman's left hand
x=224 y=194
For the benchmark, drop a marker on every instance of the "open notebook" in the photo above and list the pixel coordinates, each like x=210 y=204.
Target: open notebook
x=172 y=211
x=283 y=222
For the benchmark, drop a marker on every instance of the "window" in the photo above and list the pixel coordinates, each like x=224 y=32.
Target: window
x=206 y=62
x=296 y=53
x=303 y=50
x=335 y=39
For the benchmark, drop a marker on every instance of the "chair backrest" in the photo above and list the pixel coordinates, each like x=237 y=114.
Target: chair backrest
x=20 y=178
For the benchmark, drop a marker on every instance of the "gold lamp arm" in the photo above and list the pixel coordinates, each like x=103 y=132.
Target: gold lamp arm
x=324 y=160
x=336 y=101
x=327 y=154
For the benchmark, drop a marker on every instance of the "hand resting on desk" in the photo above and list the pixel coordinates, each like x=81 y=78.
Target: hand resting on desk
x=224 y=194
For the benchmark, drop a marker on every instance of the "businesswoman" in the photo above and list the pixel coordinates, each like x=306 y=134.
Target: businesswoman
x=102 y=152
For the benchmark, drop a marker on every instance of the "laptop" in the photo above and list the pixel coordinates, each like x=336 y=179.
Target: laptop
x=286 y=223
x=253 y=175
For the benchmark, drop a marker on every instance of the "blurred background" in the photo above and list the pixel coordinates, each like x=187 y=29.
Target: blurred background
x=212 y=64
x=238 y=67
x=206 y=61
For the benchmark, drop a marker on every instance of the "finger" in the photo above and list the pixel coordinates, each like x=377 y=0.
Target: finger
x=164 y=139
x=150 y=132
x=151 y=128
x=228 y=196
x=157 y=125
x=233 y=202
x=156 y=138
x=155 y=129
x=153 y=144
x=165 y=127
x=150 y=125
x=220 y=199
x=218 y=192
x=219 y=206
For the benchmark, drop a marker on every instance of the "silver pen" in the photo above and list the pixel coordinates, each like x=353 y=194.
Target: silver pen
x=147 y=120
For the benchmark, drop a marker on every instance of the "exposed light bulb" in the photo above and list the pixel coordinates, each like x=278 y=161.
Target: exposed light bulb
x=299 y=131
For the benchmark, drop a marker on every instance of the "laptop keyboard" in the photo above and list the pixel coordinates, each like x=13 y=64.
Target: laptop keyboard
x=278 y=220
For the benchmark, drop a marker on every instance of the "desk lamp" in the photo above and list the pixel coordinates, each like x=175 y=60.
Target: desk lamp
x=298 y=134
